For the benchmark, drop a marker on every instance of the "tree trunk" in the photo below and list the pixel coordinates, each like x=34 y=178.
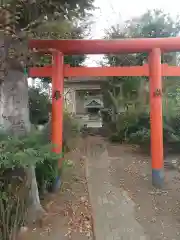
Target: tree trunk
x=14 y=119
x=36 y=211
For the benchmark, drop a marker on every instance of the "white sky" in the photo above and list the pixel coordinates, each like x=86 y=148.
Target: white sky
x=113 y=11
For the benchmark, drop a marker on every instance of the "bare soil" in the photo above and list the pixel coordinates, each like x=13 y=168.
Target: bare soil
x=68 y=211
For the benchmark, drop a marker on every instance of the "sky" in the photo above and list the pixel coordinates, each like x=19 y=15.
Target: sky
x=114 y=11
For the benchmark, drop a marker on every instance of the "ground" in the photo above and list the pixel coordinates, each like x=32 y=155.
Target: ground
x=158 y=211
x=69 y=211
x=118 y=194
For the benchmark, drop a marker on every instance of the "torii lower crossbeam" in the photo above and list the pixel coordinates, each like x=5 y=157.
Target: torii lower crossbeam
x=135 y=71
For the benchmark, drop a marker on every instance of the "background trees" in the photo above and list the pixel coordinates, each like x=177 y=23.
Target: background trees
x=128 y=97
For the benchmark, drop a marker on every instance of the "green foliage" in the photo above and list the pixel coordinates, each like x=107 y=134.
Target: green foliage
x=27 y=15
x=16 y=155
x=46 y=174
x=14 y=195
x=141 y=137
x=127 y=97
x=47 y=171
x=70 y=130
x=154 y=23
x=129 y=123
x=151 y=24
x=135 y=129
x=24 y=20
x=24 y=151
x=71 y=126
x=39 y=106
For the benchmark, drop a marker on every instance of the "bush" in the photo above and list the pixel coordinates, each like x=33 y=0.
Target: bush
x=13 y=202
x=71 y=130
x=46 y=174
x=16 y=155
x=46 y=171
x=136 y=130
x=140 y=137
x=39 y=106
x=24 y=151
x=127 y=124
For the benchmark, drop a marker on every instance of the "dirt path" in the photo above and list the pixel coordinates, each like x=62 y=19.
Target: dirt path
x=157 y=211
x=124 y=203
x=113 y=210
x=121 y=194
x=69 y=211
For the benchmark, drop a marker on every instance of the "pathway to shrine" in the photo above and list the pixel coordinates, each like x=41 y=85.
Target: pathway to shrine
x=124 y=203
x=118 y=188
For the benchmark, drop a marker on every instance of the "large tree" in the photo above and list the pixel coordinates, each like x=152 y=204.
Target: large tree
x=21 y=20
x=123 y=91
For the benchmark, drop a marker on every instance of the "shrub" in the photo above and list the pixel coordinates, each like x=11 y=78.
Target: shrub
x=140 y=137
x=17 y=154
x=46 y=171
x=136 y=130
x=71 y=130
x=39 y=106
x=13 y=202
x=127 y=124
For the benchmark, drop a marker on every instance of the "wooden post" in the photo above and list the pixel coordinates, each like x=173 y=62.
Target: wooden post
x=57 y=102
x=156 y=117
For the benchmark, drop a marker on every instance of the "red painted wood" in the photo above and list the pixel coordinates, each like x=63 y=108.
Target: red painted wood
x=103 y=71
x=70 y=47
x=156 y=109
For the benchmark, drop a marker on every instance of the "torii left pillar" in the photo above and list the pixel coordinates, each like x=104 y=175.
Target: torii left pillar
x=57 y=103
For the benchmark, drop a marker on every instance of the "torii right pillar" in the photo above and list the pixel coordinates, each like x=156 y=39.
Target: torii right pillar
x=156 y=119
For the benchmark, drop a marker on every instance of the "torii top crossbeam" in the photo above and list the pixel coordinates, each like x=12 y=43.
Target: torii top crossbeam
x=73 y=47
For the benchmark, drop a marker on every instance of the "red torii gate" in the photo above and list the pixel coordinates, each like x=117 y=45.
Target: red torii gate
x=154 y=70
x=135 y=71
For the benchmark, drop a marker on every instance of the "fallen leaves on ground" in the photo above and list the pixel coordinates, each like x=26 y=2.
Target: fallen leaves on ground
x=80 y=218
x=69 y=210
